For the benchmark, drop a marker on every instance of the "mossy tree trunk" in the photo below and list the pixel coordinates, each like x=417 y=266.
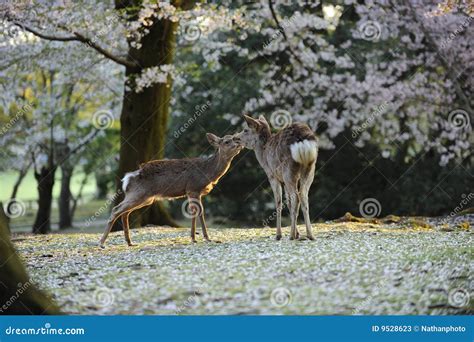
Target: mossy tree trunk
x=144 y=116
x=4 y=221
x=18 y=295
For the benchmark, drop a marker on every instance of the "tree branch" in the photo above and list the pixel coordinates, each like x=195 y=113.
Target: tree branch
x=282 y=30
x=78 y=38
x=83 y=143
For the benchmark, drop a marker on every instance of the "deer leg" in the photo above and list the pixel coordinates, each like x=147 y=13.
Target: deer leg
x=125 y=222
x=293 y=202
x=193 y=229
x=126 y=228
x=305 y=185
x=277 y=193
x=297 y=211
x=204 y=227
x=194 y=208
x=203 y=222
x=117 y=211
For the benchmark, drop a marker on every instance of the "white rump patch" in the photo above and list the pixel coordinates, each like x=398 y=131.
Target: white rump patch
x=127 y=177
x=304 y=152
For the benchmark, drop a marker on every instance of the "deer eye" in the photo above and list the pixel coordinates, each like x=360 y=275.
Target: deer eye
x=227 y=142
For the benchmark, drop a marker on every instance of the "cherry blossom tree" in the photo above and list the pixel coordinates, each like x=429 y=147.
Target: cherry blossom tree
x=395 y=74
x=137 y=36
x=45 y=107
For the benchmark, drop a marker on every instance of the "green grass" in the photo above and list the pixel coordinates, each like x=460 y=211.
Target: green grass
x=28 y=188
x=27 y=194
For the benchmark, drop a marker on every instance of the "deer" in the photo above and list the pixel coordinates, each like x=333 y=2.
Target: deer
x=288 y=158
x=174 y=178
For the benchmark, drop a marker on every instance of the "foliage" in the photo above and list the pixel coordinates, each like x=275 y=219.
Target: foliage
x=384 y=84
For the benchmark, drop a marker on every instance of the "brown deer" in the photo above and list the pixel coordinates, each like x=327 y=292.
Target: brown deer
x=289 y=158
x=175 y=178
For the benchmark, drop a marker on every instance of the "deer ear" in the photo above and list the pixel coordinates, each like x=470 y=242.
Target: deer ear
x=264 y=121
x=213 y=139
x=250 y=121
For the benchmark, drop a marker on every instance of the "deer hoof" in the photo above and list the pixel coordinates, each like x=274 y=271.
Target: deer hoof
x=278 y=237
x=101 y=245
x=130 y=244
x=311 y=237
x=193 y=241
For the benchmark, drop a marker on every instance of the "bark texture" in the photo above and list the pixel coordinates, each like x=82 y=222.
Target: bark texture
x=144 y=116
x=18 y=295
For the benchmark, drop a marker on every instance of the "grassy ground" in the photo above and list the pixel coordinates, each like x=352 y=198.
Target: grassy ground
x=28 y=191
x=84 y=211
x=27 y=195
x=406 y=267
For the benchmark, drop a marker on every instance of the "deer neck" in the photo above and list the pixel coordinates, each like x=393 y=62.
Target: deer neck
x=261 y=151
x=218 y=165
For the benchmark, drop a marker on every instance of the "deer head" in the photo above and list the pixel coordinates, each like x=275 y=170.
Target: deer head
x=228 y=146
x=255 y=132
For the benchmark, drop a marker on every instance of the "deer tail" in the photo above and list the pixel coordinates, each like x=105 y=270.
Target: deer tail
x=126 y=179
x=304 y=152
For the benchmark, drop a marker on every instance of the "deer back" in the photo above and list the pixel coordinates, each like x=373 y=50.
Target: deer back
x=277 y=152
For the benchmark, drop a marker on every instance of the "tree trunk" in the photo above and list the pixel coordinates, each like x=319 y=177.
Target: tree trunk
x=79 y=196
x=18 y=295
x=4 y=220
x=101 y=183
x=65 y=197
x=21 y=175
x=45 y=179
x=144 y=117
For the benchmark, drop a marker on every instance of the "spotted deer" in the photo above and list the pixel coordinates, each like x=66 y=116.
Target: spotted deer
x=174 y=178
x=289 y=159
